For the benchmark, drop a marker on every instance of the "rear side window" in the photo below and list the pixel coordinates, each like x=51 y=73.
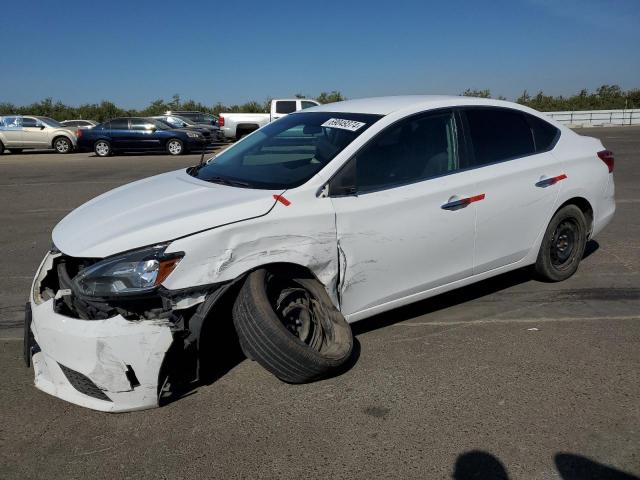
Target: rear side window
x=306 y=104
x=544 y=134
x=498 y=134
x=8 y=123
x=141 y=124
x=287 y=106
x=120 y=124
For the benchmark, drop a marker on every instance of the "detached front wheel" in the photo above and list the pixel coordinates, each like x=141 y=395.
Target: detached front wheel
x=290 y=327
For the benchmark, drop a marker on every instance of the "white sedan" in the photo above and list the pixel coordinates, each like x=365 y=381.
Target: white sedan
x=322 y=218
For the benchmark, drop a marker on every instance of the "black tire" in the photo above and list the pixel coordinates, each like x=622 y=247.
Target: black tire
x=1 y=148
x=320 y=345
x=563 y=245
x=175 y=147
x=62 y=145
x=102 y=148
x=15 y=150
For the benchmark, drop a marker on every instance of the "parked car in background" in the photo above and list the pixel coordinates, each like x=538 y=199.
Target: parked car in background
x=211 y=131
x=20 y=132
x=201 y=118
x=79 y=123
x=323 y=218
x=237 y=125
x=138 y=134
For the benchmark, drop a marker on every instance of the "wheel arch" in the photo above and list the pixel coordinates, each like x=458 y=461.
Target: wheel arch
x=61 y=135
x=585 y=206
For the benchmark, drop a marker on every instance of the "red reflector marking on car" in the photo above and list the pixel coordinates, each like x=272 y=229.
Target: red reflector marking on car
x=282 y=200
x=476 y=198
x=559 y=177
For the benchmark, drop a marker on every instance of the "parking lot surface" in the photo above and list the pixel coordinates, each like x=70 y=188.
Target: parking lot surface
x=508 y=378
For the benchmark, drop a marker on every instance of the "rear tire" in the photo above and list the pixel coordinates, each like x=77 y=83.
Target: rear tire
x=563 y=245
x=290 y=327
x=175 y=147
x=62 y=145
x=15 y=150
x=1 y=148
x=102 y=148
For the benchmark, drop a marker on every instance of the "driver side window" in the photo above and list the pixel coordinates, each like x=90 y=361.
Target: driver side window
x=29 y=122
x=415 y=149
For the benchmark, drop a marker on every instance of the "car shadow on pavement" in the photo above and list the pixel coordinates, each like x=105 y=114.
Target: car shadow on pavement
x=479 y=465
x=454 y=297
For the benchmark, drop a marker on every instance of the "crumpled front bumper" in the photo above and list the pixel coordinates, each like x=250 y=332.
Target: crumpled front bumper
x=111 y=365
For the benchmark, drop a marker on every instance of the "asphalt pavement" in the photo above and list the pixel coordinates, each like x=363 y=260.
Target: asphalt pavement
x=508 y=378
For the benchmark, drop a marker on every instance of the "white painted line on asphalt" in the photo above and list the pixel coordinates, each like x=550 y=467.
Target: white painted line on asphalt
x=437 y=323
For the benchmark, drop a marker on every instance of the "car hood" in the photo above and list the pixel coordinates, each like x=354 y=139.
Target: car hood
x=154 y=210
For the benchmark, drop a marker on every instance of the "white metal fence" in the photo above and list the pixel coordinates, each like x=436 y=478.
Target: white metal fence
x=595 y=118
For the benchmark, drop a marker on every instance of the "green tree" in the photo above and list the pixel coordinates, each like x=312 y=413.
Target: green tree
x=331 y=97
x=469 y=92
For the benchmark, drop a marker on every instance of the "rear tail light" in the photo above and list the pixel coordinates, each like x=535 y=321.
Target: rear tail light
x=221 y=121
x=79 y=132
x=607 y=157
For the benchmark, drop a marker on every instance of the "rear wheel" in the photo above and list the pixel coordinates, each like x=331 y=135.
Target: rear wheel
x=563 y=245
x=62 y=145
x=102 y=148
x=290 y=327
x=175 y=147
x=15 y=150
x=1 y=148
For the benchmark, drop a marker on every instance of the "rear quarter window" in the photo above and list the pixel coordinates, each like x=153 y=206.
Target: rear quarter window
x=545 y=135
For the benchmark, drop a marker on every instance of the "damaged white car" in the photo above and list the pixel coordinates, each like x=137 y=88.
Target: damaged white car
x=322 y=218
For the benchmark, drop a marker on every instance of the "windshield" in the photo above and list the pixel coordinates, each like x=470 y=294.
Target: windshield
x=286 y=153
x=51 y=122
x=182 y=120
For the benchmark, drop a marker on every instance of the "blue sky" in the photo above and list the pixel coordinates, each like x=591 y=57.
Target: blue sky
x=132 y=52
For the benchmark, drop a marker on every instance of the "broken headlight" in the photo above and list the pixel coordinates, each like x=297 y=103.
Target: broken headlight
x=135 y=272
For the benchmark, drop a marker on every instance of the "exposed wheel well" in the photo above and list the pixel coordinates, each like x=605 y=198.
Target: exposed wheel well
x=586 y=208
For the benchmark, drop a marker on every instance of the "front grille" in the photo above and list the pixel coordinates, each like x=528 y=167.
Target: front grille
x=83 y=384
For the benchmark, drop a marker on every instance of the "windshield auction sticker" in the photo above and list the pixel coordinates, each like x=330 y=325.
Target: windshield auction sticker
x=350 y=125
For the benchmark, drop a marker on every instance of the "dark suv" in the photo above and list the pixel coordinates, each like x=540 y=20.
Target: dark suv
x=132 y=134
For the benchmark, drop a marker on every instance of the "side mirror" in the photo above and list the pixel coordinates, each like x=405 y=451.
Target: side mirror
x=41 y=127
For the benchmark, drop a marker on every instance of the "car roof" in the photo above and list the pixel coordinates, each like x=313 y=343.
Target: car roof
x=387 y=105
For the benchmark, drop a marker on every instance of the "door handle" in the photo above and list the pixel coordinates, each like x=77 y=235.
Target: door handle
x=456 y=203
x=548 y=181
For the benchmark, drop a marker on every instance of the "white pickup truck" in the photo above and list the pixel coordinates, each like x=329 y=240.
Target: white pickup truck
x=237 y=125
